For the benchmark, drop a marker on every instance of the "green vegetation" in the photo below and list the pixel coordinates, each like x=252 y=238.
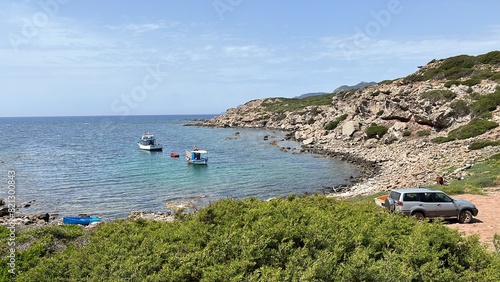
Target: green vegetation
x=460 y=67
x=311 y=238
x=491 y=58
x=474 y=128
x=439 y=95
x=293 y=104
x=482 y=144
x=424 y=132
x=334 y=123
x=376 y=131
x=36 y=244
x=406 y=133
x=496 y=242
x=481 y=175
x=468 y=82
x=484 y=104
x=460 y=108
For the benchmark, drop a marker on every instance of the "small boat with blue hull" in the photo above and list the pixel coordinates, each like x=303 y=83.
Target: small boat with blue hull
x=82 y=220
x=197 y=157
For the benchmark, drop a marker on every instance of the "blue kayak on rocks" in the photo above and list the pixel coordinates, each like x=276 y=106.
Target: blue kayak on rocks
x=82 y=220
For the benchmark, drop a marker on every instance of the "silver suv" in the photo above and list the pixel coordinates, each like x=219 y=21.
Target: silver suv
x=422 y=203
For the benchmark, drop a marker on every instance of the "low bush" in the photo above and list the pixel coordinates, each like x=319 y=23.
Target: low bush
x=424 y=132
x=492 y=58
x=439 y=95
x=294 y=104
x=439 y=140
x=474 y=128
x=376 y=131
x=482 y=144
x=496 y=242
x=460 y=108
x=334 y=123
x=485 y=103
x=406 y=133
x=294 y=239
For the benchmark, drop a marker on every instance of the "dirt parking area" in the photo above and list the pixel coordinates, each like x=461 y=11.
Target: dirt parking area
x=487 y=222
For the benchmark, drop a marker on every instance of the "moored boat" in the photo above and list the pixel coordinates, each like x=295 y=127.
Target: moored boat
x=380 y=201
x=174 y=155
x=197 y=156
x=82 y=220
x=148 y=142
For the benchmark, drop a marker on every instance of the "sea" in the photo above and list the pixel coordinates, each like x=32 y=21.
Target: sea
x=92 y=165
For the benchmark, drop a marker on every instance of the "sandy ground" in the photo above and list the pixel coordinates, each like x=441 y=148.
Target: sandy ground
x=487 y=222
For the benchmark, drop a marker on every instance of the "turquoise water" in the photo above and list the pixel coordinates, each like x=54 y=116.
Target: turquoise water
x=72 y=165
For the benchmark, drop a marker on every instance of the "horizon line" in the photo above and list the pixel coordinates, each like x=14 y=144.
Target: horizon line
x=123 y=116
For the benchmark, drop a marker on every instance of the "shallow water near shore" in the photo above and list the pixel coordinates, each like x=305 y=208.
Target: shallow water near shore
x=73 y=165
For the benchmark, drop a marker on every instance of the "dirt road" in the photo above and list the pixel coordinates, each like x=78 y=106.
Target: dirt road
x=487 y=222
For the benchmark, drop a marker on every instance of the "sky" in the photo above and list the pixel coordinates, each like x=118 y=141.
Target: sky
x=165 y=57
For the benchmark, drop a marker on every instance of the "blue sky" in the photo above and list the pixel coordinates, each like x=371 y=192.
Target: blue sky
x=75 y=57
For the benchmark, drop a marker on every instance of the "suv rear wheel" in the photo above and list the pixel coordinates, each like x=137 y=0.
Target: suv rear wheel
x=465 y=217
x=419 y=216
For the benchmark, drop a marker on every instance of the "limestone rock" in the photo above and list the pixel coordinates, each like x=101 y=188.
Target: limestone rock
x=349 y=128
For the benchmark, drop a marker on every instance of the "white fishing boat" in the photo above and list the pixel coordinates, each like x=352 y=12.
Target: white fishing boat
x=148 y=142
x=197 y=156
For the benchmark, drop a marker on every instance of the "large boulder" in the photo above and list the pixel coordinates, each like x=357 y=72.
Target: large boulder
x=350 y=127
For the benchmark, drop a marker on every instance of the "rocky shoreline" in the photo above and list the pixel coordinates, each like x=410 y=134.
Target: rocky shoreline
x=413 y=114
x=411 y=162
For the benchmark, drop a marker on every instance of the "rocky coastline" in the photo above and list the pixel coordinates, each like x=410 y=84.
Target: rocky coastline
x=405 y=156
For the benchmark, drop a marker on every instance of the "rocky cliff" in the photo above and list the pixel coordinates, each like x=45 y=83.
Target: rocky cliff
x=411 y=129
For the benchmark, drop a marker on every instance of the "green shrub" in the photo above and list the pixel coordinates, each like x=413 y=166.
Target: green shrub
x=424 y=132
x=482 y=144
x=294 y=104
x=453 y=68
x=474 y=128
x=385 y=82
x=406 y=133
x=376 y=131
x=379 y=113
x=471 y=82
x=450 y=83
x=496 y=242
x=376 y=93
x=485 y=103
x=439 y=95
x=460 y=108
x=334 y=123
x=294 y=239
x=492 y=58
x=439 y=140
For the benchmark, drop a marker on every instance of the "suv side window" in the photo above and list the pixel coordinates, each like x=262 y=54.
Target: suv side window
x=442 y=197
x=410 y=197
x=427 y=197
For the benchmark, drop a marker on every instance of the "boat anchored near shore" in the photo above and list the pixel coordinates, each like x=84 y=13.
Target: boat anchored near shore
x=197 y=156
x=148 y=142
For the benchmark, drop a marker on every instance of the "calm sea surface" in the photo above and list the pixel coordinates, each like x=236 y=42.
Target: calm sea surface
x=72 y=165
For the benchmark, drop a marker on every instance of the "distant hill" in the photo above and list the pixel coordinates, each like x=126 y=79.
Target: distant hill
x=311 y=94
x=357 y=86
x=339 y=89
